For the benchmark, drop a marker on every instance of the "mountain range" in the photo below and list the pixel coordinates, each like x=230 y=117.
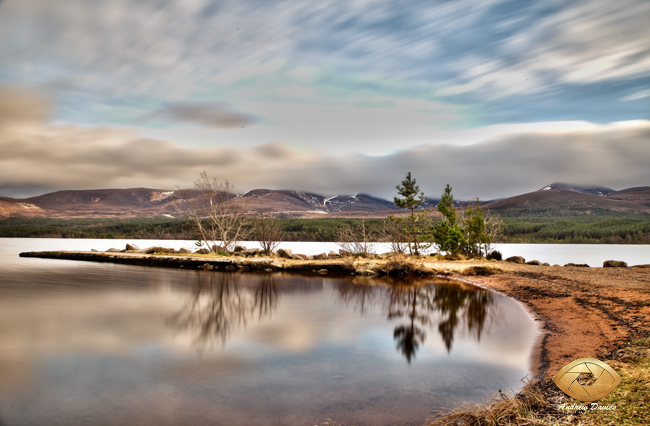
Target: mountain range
x=557 y=199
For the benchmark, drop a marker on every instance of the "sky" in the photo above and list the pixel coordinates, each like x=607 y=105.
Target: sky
x=494 y=97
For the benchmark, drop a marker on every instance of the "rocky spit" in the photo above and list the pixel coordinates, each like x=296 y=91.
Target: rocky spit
x=197 y=262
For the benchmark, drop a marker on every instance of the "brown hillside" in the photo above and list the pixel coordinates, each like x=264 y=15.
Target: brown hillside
x=19 y=208
x=568 y=202
x=640 y=195
x=152 y=202
x=93 y=203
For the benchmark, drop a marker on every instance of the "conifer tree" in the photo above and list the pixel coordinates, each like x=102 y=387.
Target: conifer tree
x=472 y=234
x=412 y=199
x=448 y=234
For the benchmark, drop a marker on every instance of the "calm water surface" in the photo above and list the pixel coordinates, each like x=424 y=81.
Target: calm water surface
x=118 y=344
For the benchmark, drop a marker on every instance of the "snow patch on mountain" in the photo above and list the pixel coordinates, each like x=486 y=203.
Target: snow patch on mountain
x=327 y=199
x=589 y=190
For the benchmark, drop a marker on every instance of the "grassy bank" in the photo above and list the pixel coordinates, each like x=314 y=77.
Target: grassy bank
x=632 y=229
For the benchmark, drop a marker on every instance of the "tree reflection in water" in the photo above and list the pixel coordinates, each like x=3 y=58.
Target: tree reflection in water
x=452 y=304
x=219 y=305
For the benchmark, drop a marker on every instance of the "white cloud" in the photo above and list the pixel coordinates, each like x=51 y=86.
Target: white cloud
x=637 y=95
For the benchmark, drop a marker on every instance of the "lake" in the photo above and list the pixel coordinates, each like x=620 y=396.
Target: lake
x=101 y=343
x=591 y=254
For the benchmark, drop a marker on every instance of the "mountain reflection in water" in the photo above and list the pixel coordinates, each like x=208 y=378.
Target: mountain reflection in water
x=220 y=305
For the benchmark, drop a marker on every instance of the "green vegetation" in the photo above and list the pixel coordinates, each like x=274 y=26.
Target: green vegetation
x=448 y=233
x=414 y=226
x=465 y=231
x=159 y=227
x=324 y=229
x=632 y=229
x=565 y=210
x=631 y=396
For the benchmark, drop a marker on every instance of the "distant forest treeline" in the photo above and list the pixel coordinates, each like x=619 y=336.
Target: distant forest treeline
x=632 y=229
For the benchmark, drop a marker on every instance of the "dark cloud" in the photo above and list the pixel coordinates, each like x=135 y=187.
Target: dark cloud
x=209 y=114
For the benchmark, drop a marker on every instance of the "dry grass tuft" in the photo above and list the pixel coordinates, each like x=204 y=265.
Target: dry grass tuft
x=400 y=264
x=522 y=409
x=481 y=270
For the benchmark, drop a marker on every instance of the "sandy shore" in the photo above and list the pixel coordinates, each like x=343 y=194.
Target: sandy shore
x=585 y=312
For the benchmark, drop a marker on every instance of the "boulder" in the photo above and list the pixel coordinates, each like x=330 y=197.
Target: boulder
x=286 y=253
x=184 y=251
x=276 y=264
x=207 y=267
x=131 y=247
x=333 y=255
x=202 y=251
x=239 y=249
x=157 y=249
x=344 y=253
x=250 y=252
x=516 y=259
x=322 y=271
x=364 y=267
x=230 y=268
x=321 y=256
x=260 y=263
x=299 y=257
x=93 y=250
x=546 y=264
x=534 y=262
x=578 y=265
x=495 y=255
x=614 y=264
x=644 y=266
x=113 y=250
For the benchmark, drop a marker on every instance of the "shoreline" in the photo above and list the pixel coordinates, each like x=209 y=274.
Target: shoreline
x=582 y=312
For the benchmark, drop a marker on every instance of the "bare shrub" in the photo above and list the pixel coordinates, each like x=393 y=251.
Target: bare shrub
x=266 y=230
x=358 y=240
x=219 y=218
x=393 y=232
x=493 y=235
